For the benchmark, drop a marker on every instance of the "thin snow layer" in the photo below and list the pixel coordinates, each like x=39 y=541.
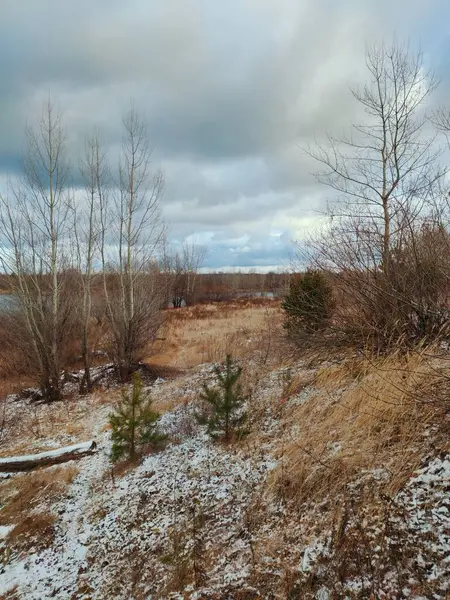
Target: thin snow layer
x=115 y=537
x=38 y=575
x=169 y=492
x=406 y=547
x=426 y=503
x=205 y=507
x=5 y=530
x=83 y=447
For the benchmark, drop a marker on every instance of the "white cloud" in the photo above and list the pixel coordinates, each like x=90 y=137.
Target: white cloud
x=230 y=91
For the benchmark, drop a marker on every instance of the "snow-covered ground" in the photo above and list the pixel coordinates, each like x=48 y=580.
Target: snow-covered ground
x=108 y=526
x=199 y=519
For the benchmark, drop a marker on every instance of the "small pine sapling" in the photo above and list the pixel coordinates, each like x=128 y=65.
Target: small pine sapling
x=134 y=424
x=226 y=401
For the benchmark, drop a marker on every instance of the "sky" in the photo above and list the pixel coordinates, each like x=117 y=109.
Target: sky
x=232 y=92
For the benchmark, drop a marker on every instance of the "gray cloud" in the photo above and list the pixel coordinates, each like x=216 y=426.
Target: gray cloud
x=230 y=91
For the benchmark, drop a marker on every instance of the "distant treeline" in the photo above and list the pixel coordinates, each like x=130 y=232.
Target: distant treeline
x=209 y=287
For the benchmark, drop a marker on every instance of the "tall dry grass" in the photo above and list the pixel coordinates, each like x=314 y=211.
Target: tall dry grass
x=365 y=414
x=206 y=333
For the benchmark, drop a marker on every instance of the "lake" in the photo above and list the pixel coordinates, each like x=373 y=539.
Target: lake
x=6 y=301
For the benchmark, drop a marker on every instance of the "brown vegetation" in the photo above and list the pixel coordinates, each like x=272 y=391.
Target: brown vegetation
x=207 y=332
x=363 y=414
x=27 y=499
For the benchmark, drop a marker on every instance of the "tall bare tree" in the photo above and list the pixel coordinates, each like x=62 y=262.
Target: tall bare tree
x=386 y=168
x=386 y=177
x=87 y=230
x=183 y=267
x=193 y=258
x=132 y=232
x=35 y=230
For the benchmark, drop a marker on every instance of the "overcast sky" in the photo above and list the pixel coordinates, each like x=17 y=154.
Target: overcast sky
x=230 y=91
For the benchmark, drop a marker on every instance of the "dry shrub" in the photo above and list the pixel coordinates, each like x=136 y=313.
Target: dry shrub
x=364 y=414
x=399 y=306
x=214 y=348
x=177 y=559
x=15 y=360
x=18 y=368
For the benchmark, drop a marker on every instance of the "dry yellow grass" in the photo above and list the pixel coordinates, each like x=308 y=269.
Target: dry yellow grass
x=206 y=333
x=27 y=491
x=365 y=414
x=27 y=500
x=35 y=531
x=40 y=427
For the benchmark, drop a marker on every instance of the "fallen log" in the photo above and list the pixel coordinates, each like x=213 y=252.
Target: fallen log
x=12 y=464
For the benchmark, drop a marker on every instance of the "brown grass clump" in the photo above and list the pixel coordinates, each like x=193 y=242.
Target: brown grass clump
x=365 y=414
x=35 y=531
x=27 y=491
x=27 y=499
x=11 y=594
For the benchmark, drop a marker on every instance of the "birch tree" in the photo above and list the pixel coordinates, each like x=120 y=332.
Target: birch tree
x=35 y=229
x=132 y=234
x=87 y=229
x=385 y=176
x=385 y=170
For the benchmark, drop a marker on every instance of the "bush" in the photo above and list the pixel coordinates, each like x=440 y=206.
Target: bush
x=392 y=308
x=134 y=424
x=309 y=303
x=226 y=400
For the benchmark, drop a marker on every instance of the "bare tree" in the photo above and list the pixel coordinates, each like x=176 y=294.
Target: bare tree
x=386 y=168
x=441 y=119
x=184 y=266
x=386 y=177
x=193 y=259
x=131 y=234
x=177 y=279
x=35 y=230
x=87 y=229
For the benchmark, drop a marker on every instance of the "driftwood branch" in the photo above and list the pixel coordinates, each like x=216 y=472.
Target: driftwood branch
x=13 y=464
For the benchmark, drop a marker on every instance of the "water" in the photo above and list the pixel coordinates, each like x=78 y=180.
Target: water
x=6 y=301
x=253 y=294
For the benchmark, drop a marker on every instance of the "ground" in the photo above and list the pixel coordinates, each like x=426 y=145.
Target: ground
x=340 y=490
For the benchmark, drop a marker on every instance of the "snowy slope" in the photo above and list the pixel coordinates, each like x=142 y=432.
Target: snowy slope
x=203 y=520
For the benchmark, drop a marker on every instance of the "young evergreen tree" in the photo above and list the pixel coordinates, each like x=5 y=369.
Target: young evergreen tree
x=309 y=304
x=226 y=400
x=134 y=424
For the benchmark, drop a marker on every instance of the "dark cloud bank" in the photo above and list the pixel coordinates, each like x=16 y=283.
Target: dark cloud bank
x=230 y=92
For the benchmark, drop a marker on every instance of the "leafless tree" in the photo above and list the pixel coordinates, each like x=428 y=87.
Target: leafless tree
x=177 y=279
x=131 y=235
x=183 y=266
x=386 y=176
x=387 y=166
x=35 y=231
x=87 y=230
x=441 y=119
x=193 y=258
